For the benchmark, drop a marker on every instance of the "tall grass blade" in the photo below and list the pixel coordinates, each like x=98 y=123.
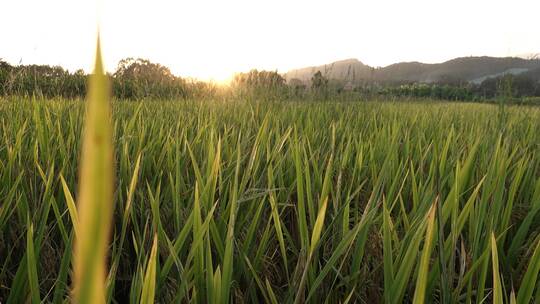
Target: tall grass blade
x=149 y=284
x=423 y=271
x=95 y=199
x=530 y=279
x=497 y=286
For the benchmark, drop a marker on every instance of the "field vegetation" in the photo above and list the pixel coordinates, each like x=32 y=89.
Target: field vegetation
x=280 y=201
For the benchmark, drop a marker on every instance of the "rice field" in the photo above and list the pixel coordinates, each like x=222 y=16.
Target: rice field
x=275 y=202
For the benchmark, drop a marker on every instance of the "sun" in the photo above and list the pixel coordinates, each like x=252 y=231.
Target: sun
x=212 y=73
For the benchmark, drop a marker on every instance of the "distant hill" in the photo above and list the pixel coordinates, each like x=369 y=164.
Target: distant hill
x=343 y=70
x=469 y=69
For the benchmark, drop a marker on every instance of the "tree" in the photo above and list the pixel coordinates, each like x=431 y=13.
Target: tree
x=297 y=87
x=5 y=71
x=142 y=69
x=319 y=85
x=260 y=84
x=318 y=81
x=140 y=78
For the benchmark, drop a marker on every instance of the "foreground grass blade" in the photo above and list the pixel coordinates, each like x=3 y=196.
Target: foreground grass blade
x=71 y=206
x=149 y=284
x=423 y=271
x=32 y=265
x=387 y=255
x=497 y=286
x=95 y=199
x=530 y=278
x=318 y=227
x=315 y=236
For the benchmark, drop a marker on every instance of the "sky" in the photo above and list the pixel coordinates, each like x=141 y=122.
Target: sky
x=212 y=39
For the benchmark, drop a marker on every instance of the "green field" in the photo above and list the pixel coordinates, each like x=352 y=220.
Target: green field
x=281 y=202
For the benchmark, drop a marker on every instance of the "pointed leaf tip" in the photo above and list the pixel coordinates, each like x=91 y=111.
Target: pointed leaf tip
x=98 y=65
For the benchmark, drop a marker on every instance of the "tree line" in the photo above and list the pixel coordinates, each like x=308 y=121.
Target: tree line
x=509 y=86
x=133 y=79
x=141 y=79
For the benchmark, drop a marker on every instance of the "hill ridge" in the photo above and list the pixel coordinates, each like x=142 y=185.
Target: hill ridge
x=466 y=69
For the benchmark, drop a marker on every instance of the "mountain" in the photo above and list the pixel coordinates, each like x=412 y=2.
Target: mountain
x=343 y=70
x=529 y=56
x=470 y=69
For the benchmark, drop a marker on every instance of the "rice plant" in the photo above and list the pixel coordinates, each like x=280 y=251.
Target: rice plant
x=279 y=202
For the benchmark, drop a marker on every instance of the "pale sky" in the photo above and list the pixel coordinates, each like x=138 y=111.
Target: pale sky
x=211 y=39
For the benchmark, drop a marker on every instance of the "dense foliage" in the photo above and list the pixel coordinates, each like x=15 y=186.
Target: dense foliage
x=513 y=86
x=260 y=84
x=41 y=80
x=133 y=79
x=434 y=91
x=281 y=202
